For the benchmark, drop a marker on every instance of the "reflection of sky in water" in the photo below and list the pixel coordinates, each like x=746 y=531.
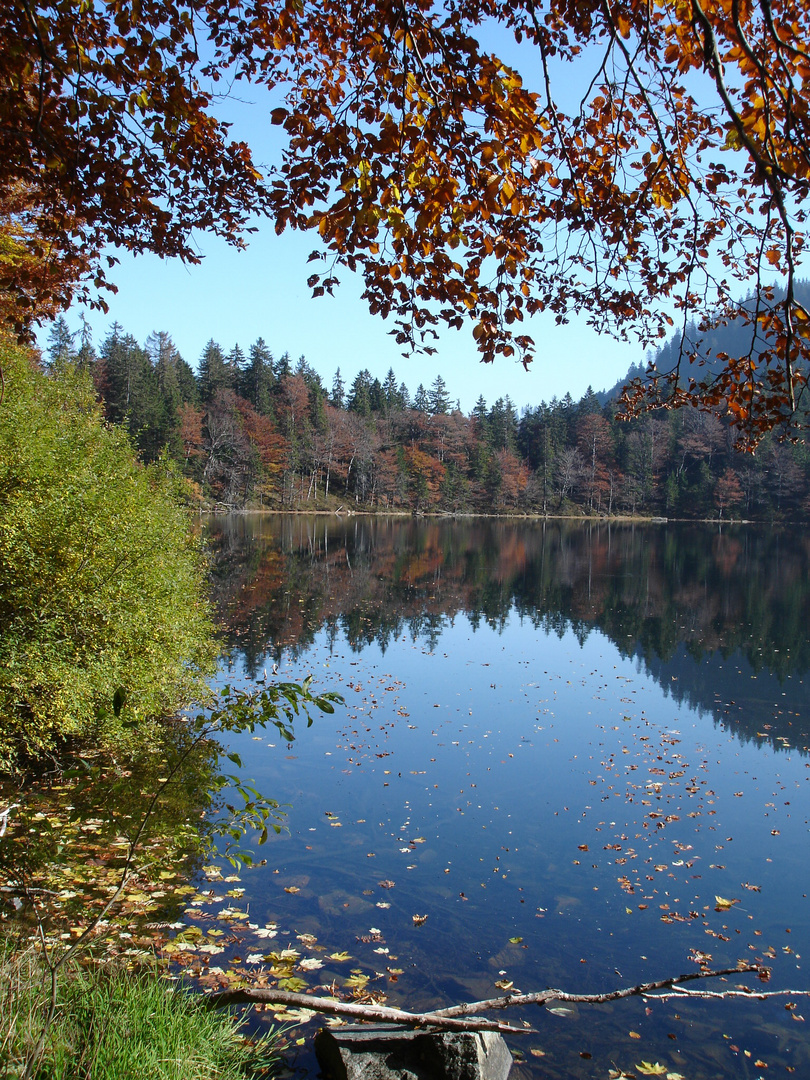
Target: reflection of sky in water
x=513 y=784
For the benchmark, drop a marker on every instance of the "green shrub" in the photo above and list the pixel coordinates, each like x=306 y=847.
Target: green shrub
x=102 y=612
x=114 y=1024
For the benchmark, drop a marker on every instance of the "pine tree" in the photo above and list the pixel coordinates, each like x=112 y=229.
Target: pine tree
x=86 y=358
x=391 y=395
x=282 y=367
x=421 y=402
x=214 y=372
x=61 y=349
x=235 y=362
x=439 y=400
x=376 y=396
x=257 y=379
x=338 y=390
x=163 y=356
x=359 y=400
x=131 y=392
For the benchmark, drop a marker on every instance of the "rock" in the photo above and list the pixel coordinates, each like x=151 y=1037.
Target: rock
x=390 y=1052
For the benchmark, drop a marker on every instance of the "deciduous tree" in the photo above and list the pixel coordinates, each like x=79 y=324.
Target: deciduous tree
x=459 y=190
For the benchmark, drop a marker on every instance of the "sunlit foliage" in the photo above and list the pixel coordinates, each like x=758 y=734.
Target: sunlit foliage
x=102 y=616
x=461 y=188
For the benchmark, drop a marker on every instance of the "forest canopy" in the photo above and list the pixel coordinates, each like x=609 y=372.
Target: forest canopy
x=464 y=187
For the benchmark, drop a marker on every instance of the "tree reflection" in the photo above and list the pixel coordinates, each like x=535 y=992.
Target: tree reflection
x=718 y=617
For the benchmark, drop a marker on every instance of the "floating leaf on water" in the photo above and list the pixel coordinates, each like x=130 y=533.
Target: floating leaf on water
x=515 y=940
x=648 y=1069
x=419 y=919
x=311 y=964
x=723 y=904
x=287 y=956
x=504 y=984
x=339 y=957
x=560 y=1010
x=356 y=980
x=292 y=889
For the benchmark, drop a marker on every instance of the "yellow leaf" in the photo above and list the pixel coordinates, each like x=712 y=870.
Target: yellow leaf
x=723 y=904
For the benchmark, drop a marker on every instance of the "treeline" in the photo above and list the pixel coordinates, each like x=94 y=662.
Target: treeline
x=248 y=429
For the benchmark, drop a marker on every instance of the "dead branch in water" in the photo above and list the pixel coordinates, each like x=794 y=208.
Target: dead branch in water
x=460 y=1018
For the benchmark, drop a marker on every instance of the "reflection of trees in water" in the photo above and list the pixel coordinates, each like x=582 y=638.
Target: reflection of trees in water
x=756 y=706
x=676 y=596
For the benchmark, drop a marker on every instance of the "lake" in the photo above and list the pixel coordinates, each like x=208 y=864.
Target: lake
x=571 y=755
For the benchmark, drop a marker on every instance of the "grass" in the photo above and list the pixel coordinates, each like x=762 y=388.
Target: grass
x=115 y=1024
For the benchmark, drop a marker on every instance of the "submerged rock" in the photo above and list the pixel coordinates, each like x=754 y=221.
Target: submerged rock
x=390 y=1052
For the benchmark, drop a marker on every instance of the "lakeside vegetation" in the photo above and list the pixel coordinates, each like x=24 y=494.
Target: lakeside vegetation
x=113 y=1023
x=104 y=616
x=252 y=430
x=106 y=635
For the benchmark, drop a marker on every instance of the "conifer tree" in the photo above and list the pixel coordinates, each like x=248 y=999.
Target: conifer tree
x=282 y=367
x=338 y=390
x=359 y=400
x=439 y=399
x=258 y=379
x=391 y=395
x=214 y=373
x=61 y=349
x=86 y=358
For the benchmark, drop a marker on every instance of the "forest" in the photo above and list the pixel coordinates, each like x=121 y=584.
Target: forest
x=252 y=430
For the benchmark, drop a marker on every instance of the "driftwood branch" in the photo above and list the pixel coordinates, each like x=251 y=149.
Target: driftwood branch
x=459 y=1017
x=544 y=997
x=376 y=1013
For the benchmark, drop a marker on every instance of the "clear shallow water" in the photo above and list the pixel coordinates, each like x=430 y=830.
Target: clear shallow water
x=574 y=739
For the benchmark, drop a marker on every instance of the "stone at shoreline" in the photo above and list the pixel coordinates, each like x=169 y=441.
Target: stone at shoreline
x=390 y=1052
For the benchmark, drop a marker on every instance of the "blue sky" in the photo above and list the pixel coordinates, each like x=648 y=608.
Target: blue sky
x=236 y=297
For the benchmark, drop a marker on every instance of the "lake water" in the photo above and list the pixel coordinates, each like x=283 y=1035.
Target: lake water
x=578 y=753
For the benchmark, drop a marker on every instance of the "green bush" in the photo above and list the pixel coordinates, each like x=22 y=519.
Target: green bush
x=103 y=619
x=114 y=1024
